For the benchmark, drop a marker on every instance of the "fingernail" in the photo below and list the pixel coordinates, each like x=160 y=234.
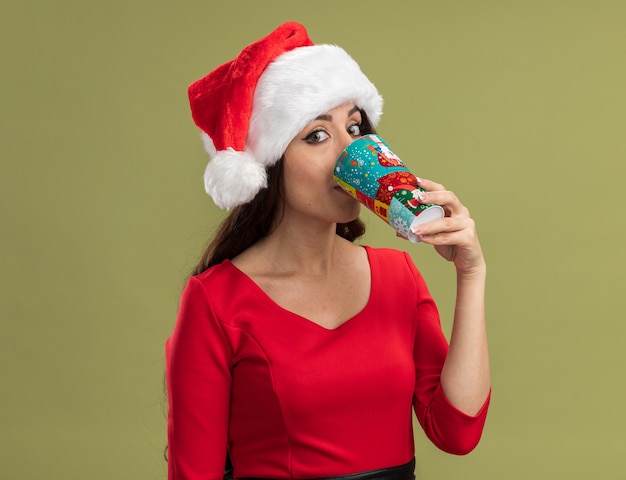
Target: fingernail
x=423 y=197
x=416 y=229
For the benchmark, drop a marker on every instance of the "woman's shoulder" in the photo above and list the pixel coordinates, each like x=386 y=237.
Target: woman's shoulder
x=215 y=275
x=392 y=263
x=219 y=286
x=387 y=254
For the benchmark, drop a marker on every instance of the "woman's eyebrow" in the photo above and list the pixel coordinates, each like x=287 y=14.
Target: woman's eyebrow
x=353 y=111
x=329 y=118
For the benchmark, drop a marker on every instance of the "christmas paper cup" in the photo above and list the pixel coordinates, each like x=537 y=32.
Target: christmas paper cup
x=369 y=171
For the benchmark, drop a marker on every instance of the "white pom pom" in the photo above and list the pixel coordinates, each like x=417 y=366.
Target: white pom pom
x=233 y=178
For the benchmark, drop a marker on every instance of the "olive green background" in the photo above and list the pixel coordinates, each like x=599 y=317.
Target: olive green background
x=519 y=107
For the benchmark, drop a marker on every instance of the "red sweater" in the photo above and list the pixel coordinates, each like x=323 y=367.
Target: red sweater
x=291 y=399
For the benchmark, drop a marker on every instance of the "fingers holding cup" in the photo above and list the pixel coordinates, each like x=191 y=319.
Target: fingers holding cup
x=437 y=193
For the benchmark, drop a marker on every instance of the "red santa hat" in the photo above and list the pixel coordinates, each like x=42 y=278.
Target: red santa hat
x=249 y=109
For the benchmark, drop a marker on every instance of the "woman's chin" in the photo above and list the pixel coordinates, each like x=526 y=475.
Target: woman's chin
x=351 y=212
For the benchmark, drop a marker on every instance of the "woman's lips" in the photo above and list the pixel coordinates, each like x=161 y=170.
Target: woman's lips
x=342 y=191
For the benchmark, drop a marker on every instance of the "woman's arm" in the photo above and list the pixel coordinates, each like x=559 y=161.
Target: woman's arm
x=466 y=378
x=198 y=371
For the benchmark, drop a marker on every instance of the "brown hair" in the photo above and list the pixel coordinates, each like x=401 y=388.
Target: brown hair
x=248 y=223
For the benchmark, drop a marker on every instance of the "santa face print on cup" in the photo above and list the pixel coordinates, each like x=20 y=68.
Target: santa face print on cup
x=369 y=171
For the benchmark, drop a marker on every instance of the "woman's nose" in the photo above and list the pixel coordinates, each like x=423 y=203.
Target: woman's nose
x=346 y=139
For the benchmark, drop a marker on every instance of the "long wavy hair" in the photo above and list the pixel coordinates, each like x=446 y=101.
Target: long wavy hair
x=248 y=223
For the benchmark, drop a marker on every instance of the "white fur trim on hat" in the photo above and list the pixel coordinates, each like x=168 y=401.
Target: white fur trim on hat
x=299 y=86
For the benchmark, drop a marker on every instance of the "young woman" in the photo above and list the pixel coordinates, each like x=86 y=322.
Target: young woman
x=298 y=353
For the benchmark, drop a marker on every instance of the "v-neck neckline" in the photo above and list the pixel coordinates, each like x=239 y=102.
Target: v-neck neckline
x=307 y=321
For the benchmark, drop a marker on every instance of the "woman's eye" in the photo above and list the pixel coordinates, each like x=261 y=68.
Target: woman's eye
x=355 y=130
x=318 y=136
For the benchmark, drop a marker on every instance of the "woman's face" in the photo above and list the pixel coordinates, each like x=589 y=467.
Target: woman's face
x=309 y=160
